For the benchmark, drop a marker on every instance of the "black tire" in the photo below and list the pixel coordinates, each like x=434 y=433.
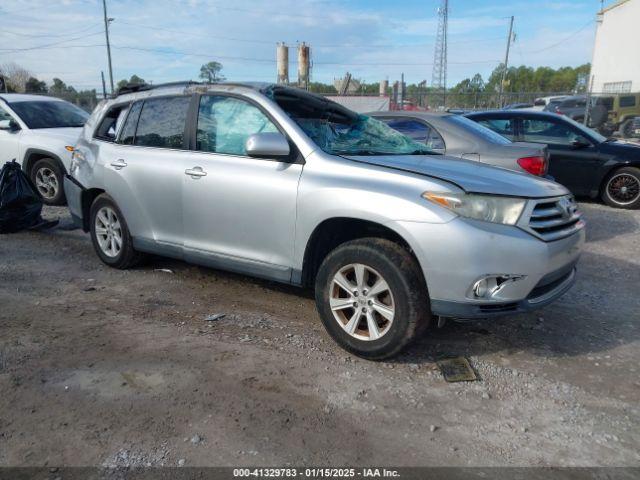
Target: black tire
x=49 y=170
x=406 y=283
x=629 y=177
x=126 y=257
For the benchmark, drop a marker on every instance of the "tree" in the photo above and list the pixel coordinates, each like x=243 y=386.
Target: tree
x=210 y=72
x=34 y=85
x=15 y=76
x=134 y=80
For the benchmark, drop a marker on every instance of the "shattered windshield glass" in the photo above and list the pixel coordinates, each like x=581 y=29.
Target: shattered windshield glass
x=364 y=136
x=340 y=131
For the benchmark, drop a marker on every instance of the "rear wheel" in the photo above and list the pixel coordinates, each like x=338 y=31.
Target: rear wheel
x=110 y=235
x=622 y=188
x=47 y=176
x=371 y=297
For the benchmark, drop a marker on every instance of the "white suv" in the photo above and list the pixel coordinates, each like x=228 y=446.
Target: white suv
x=40 y=132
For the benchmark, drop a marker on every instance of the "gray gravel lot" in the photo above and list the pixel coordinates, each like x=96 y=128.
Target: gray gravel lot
x=108 y=367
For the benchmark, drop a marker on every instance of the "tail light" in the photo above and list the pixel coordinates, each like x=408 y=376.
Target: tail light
x=534 y=165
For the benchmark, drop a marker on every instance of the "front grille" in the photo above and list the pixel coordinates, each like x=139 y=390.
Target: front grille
x=553 y=219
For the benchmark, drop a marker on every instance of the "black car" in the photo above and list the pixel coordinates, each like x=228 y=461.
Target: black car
x=581 y=159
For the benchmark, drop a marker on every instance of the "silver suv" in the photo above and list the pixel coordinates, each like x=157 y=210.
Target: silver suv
x=278 y=183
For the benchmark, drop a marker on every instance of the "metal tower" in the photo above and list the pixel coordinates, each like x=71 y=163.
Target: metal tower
x=439 y=76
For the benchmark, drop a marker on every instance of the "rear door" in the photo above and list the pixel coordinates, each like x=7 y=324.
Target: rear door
x=239 y=211
x=144 y=172
x=575 y=167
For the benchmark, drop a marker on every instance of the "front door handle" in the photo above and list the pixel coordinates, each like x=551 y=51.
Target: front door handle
x=119 y=164
x=195 y=172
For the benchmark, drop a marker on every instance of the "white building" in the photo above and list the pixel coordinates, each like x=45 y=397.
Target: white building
x=616 y=54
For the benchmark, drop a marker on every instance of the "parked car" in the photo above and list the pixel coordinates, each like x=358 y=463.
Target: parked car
x=581 y=159
x=542 y=102
x=457 y=136
x=573 y=107
x=283 y=184
x=635 y=128
x=40 y=132
x=515 y=106
x=622 y=110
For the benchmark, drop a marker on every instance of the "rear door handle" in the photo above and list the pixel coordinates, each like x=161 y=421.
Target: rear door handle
x=195 y=172
x=119 y=164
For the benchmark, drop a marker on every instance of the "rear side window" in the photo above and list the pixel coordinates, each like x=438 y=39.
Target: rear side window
x=629 y=101
x=503 y=126
x=129 y=129
x=225 y=123
x=411 y=128
x=111 y=123
x=162 y=122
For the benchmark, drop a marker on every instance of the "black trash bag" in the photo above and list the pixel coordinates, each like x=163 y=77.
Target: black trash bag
x=20 y=203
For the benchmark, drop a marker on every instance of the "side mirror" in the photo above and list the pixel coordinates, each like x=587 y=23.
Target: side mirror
x=9 y=125
x=267 y=145
x=580 y=142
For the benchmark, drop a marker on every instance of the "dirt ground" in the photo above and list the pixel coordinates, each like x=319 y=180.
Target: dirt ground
x=114 y=368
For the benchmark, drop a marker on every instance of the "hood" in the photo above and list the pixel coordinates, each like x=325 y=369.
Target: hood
x=69 y=135
x=472 y=177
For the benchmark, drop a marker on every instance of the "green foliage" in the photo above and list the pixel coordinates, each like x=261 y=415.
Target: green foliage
x=34 y=85
x=210 y=72
x=134 y=80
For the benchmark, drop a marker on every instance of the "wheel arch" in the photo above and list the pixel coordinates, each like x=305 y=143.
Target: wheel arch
x=32 y=155
x=86 y=200
x=612 y=169
x=332 y=232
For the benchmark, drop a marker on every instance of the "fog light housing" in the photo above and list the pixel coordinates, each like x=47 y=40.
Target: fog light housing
x=488 y=286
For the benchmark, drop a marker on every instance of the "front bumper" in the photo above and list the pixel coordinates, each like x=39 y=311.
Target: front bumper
x=456 y=254
x=73 y=191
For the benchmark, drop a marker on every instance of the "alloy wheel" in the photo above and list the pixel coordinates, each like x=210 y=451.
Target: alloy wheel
x=623 y=188
x=108 y=232
x=47 y=183
x=362 y=302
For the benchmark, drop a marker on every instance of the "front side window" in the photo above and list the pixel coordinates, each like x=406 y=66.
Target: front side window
x=544 y=131
x=49 y=114
x=162 y=122
x=225 y=124
x=503 y=126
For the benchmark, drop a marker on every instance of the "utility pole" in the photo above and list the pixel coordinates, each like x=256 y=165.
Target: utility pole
x=439 y=74
x=506 y=61
x=104 y=88
x=106 y=33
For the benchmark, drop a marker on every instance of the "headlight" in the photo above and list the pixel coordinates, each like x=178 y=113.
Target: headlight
x=489 y=208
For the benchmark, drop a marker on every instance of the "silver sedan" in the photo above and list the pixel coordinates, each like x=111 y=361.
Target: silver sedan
x=457 y=136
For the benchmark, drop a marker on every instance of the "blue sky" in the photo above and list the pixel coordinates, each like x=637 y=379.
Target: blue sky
x=165 y=40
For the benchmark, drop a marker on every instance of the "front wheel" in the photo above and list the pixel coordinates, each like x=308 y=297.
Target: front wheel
x=47 y=176
x=622 y=188
x=110 y=235
x=372 y=297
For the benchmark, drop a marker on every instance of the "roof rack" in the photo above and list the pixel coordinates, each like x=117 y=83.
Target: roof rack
x=132 y=88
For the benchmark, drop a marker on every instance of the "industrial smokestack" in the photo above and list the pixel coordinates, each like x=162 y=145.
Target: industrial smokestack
x=282 y=61
x=384 y=88
x=303 y=65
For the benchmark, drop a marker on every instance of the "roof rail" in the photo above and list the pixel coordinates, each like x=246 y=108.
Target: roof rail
x=131 y=88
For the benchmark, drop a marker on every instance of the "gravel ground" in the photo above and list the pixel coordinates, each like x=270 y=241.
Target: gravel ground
x=121 y=368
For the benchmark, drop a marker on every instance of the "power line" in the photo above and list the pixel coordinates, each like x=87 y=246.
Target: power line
x=39 y=47
x=51 y=34
x=590 y=22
